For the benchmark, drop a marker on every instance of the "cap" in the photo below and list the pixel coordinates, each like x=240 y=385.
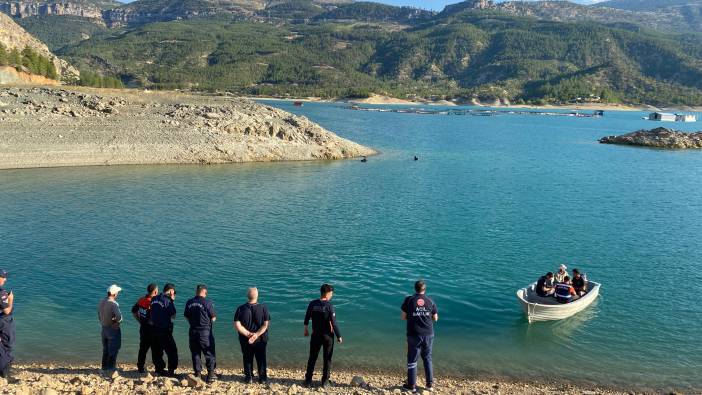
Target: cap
x=114 y=289
x=564 y=267
x=168 y=287
x=3 y=273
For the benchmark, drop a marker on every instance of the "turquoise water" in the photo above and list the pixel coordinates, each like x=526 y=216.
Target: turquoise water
x=492 y=203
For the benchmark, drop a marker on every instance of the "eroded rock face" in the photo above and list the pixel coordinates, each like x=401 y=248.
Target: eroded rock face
x=658 y=138
x=49 y=127
x=13 y=35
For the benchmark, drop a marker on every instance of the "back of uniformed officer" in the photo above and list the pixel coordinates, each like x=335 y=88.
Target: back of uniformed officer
x=201 y=314
x=7 y=327
x=142 y=313
x=163 y=312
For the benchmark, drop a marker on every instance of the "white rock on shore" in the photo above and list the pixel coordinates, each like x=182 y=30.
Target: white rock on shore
x=51 y=127
x=49 y=380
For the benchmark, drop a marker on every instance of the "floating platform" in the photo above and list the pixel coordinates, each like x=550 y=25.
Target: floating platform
x=476 y=112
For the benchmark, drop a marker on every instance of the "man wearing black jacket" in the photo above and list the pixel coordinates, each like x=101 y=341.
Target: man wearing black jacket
x=324 y=327
x=163 y=312
x=141 y=311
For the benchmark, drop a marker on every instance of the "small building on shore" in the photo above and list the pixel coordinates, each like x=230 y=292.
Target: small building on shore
x=685 y=118
x=662 y=116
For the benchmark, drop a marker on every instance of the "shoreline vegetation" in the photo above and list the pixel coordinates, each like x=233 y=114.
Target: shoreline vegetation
x=73 y=126
x=50 y=378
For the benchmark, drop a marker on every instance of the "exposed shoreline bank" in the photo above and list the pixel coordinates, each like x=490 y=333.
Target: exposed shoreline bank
x=379 y=100
x=86 y=379
x=60 y=126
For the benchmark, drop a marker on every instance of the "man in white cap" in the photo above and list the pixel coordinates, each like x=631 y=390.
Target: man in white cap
x=561 y=273
x=110 y=318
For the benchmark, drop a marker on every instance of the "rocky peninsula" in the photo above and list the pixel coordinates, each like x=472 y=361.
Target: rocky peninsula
x=51 y=127
x=657 y=138
x=48 y=379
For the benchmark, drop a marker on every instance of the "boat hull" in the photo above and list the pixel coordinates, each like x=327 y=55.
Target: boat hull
x=546 y=309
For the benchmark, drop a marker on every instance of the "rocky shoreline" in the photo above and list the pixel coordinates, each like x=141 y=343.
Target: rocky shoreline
x=46 y=379
x=657 y=138
x=51 y=127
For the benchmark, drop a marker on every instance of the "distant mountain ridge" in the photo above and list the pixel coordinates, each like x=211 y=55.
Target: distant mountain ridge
x=113 y=14
x=663 y=15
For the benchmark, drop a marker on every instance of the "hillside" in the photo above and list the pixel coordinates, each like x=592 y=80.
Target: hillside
x=648 y=5
x=667 y=19
x=531 y=52
x=484 y=54
x=19 y=48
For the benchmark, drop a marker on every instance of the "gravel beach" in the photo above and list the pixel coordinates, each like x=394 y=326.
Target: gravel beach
x=48 y=379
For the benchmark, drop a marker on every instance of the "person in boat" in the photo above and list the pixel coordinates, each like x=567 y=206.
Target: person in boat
x=415 y=158
x=564 y=291
x=579 y=282
x=545 y=286
x=561 y=273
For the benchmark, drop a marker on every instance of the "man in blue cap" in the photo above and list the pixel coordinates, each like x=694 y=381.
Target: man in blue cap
x=7 y=327
x=201 y=314
x=163 y=312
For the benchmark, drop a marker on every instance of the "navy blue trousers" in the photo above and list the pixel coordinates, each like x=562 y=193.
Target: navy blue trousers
x=111 y=343
x=7 y=344
x=202 y=342
x=419 y=346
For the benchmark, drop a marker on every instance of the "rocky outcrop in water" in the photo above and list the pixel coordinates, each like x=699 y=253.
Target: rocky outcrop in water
x=658 y=138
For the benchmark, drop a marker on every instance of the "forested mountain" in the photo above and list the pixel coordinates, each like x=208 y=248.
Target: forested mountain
x=648 y=5
x=477 y=49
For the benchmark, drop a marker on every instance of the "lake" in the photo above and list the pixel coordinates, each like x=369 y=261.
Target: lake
x=491 y=204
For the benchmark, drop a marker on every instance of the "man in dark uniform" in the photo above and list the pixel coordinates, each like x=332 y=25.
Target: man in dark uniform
x=200 y=313
x=251 y=321
x=163 y=312
x=420 y=313
x=142 y=312
x=324 y=327
x=7 y=327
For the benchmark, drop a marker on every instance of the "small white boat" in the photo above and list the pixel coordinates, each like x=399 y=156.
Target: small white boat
x=539 y=308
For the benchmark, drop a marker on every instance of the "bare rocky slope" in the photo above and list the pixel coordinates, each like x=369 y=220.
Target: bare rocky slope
x=13 y=35
x=50 y=127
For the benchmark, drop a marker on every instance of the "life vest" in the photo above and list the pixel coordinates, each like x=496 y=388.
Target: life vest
x=563 y=291
x=144 y=309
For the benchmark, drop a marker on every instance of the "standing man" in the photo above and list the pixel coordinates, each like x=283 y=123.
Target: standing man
x=324 y=327
x=163 y=312
x=7 y=327
x=110 y=318
x=420 y=313
x=251 y=321
x=142 y=313
x=201 y=314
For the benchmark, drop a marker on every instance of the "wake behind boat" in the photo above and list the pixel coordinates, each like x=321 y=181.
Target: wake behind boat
x=547 y=308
